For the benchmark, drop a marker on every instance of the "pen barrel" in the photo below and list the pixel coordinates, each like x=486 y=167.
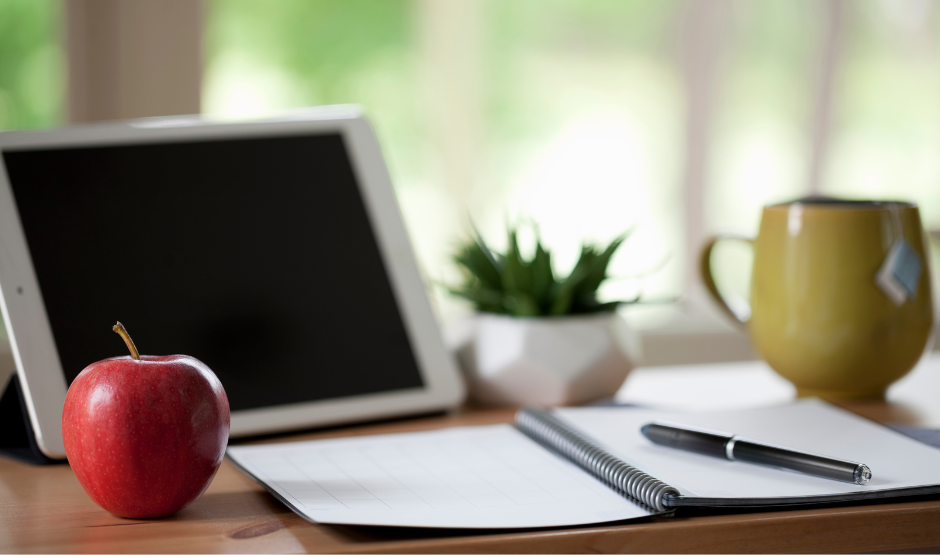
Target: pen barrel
x=688 y=440
x=768 y=455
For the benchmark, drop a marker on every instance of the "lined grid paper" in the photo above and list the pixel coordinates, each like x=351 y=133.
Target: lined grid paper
x=476 y=477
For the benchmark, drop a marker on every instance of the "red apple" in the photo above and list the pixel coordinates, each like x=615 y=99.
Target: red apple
x=145 y=435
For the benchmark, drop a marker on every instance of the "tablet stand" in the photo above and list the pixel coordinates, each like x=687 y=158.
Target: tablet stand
x=17 y=439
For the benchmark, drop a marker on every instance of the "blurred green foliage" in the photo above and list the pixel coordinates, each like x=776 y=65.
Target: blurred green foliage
x=320 y=42
x=509 y=283
x=520 y=34
x=31 y=64
x=263 y=55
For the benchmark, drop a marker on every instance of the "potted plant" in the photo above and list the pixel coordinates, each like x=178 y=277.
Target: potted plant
x=539 y=338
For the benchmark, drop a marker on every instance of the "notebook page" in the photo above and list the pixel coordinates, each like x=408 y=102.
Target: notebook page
x=472 y=477
x=808 y=425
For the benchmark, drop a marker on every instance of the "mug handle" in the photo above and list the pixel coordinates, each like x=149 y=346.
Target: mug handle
x=705 y=267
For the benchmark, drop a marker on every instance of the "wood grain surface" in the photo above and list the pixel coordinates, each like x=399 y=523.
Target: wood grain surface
x=44 y=509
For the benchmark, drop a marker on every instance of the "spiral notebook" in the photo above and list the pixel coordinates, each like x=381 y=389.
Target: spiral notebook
x=576 y=466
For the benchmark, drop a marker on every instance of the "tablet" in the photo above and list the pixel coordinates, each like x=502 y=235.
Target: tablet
x=272 y=251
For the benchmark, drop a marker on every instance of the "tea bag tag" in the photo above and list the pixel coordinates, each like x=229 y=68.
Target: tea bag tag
x=899 y=275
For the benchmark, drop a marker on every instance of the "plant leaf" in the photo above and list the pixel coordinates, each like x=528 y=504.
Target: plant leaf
x=486 y=300
x=567 y=289
x=510 y=284
x=517 y=275
x=480 y=262
x=543 y=278
x=523 y=305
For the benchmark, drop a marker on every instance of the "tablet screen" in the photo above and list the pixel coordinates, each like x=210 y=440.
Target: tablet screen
x=255 y=256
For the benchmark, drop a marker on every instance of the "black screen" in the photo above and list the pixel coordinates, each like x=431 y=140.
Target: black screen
x=255 y=256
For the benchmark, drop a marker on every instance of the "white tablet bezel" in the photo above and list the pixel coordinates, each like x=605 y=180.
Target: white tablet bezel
x=37 y=362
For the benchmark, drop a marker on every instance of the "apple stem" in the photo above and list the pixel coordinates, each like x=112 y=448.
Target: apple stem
x=119 y=328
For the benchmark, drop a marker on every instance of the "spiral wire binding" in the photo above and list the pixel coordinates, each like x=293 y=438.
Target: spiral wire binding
x=548 y=430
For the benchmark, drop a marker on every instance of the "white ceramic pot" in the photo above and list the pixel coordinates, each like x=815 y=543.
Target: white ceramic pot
x=543 y=361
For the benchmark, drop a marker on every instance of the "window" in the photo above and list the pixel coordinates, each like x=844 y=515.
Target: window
x=886 y=135
x=674 y=118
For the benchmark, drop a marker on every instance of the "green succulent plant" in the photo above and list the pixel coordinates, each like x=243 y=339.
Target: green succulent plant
x=508 y=283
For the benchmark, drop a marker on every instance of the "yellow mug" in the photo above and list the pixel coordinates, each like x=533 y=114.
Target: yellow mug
x=840 y=294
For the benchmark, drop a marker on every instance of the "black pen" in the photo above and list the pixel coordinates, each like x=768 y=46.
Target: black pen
x=736 y=448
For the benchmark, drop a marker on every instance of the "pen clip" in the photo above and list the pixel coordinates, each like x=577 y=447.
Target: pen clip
x=729 y=447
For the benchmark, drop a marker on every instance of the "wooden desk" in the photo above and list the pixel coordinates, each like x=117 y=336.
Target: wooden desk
x=44 y=509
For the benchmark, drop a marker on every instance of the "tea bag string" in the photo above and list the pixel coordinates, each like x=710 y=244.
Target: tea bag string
x=895 y=212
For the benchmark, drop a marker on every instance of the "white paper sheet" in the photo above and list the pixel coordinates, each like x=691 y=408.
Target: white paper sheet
x=473 y=477
x=809 y=425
